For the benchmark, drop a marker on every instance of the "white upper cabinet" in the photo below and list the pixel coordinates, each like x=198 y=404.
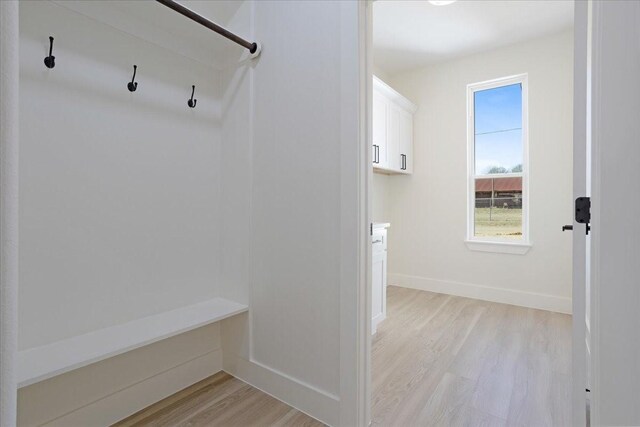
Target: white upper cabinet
x=392 y=139
x=380 y=130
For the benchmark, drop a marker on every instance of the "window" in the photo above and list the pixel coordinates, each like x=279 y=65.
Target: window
x=498 y=163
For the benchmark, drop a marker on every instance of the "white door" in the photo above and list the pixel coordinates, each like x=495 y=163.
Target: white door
x=581 y=171
x=380 y=154
x=615 y=238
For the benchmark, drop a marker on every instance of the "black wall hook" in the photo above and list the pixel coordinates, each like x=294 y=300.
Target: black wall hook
x=192 y=102
x=50 y=61
x=133 y=85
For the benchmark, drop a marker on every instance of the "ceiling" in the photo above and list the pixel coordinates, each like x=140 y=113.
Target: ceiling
x=412 y=34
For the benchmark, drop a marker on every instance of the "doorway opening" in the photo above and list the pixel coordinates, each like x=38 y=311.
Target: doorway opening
x=472 y=131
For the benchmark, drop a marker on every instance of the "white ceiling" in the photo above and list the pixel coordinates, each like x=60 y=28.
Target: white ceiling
x=412 y=34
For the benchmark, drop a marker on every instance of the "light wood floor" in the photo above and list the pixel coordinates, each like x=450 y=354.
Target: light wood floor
x=220 y=400
x=440 y=360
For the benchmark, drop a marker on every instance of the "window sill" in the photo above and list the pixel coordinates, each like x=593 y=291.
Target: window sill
x=498 y=247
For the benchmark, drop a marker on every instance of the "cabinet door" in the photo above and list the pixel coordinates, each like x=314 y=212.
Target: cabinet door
x=405 y=146
x=393 y=136
x=379 y=116
x=379 y=294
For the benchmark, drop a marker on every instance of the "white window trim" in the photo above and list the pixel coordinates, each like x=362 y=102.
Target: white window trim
x=488 y=244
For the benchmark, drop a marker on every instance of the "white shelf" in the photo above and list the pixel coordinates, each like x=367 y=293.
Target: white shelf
x=40 y=363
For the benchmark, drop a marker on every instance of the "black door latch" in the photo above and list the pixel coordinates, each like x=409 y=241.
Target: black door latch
x=583 y=211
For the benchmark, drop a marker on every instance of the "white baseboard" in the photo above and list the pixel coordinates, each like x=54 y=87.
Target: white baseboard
x=237 y=361
x=376 y=321
x=486 y=293
x=304 y=397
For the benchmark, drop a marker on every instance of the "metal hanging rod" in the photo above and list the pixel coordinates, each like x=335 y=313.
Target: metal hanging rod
x=254 y=48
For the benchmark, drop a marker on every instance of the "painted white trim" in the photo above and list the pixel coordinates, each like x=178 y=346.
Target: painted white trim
x=500 y=247
x=595 y=29
x=376 y=321
x=302 y=396
x=486 y=293
x=522 y=79
x=595 y=9
x=355 y=298
x=581 y=59
x=9 y=146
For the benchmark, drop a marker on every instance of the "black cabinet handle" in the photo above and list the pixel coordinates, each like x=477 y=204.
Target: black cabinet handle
x=403 y=162
x=567 y=227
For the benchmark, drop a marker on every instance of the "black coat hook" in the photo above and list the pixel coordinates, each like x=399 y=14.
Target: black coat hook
x=50 y=61
x=133 y=85
x=192 y=102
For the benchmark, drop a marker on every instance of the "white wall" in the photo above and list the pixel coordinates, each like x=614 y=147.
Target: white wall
x=380 y=73
x=428 y=209
x=120 y=213
x=119 y=191
x=236 y=163
x=296 y=198
x=9 y=177
x=381 y=207
x=248 y=191
x=289 y=344
x=296 y=142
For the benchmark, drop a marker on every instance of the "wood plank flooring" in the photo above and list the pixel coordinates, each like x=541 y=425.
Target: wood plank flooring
x=441 y=360
x=220 y=400
x=438 y=360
